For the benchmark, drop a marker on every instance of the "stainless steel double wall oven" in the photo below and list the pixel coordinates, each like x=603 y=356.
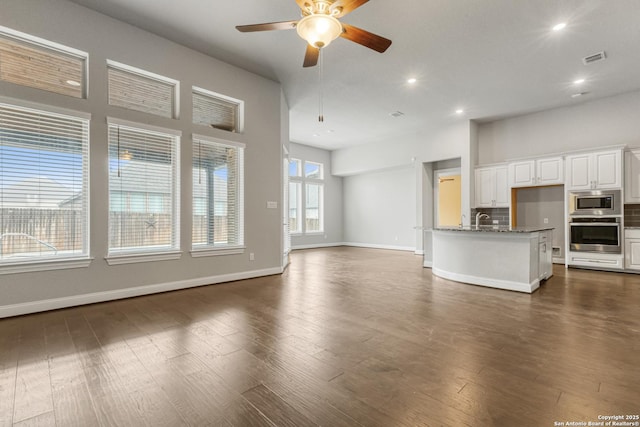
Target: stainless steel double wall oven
x=595 y=220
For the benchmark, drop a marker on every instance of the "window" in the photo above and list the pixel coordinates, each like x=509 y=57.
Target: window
x=313 y=208
x=141 y=90
x=218 y=194
x=143 y=189
x=311 y=203
x=30 y=61
x=295 y=210
x=217 y=111
x=295 y=168
x=43 y=185
x=313 y=170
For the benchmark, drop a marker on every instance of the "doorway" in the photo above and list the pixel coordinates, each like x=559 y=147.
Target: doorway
x=447 y=197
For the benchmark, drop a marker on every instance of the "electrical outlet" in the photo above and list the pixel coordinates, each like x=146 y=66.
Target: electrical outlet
x=546 y=220
x=252 y=256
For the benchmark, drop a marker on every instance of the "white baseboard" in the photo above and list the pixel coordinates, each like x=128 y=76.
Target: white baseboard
x=489 y=282
x=56 y=303
x=317 y=245
x=374 y=246
x=418 y=252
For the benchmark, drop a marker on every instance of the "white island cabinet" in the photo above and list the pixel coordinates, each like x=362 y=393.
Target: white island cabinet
x=517 y=259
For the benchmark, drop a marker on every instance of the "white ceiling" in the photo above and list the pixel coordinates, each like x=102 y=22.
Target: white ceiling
x=494 y=58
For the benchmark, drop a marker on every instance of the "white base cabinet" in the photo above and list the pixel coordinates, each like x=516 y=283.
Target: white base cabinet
x=632 y=249
x=595 y=260
x=545 y=258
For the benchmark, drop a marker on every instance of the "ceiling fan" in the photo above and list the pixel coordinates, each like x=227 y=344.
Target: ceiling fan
x=319 y=26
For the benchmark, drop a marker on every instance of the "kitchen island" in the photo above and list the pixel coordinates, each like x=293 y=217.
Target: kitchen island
x=517 y=259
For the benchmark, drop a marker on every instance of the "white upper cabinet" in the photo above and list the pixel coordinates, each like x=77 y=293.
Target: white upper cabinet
x=592 y=171
x=550 y=171
x=522 y=174
x=530 y=173
x=632 y=176
x=492 y=190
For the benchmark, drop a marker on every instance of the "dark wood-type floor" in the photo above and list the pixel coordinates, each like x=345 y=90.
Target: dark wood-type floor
x=346 y=337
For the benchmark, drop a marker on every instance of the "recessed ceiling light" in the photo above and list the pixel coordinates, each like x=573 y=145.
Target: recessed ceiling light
x=412 y=80
x=459 y=111
x=578 y=82
x=330 y=131
x=73 y=83
x=559 y=26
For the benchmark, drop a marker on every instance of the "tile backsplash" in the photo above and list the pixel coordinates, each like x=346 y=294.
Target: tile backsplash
x=500 y=214
x=632 y=215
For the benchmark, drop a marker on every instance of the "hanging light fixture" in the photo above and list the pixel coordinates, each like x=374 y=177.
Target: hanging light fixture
x=319 y=30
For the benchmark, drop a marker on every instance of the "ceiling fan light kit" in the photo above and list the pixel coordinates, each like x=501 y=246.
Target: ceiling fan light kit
x=319 y=30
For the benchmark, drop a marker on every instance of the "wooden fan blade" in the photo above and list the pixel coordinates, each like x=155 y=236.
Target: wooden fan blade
x=311 y=56
x=346 y=6
x=285 y=25
x=365 y=38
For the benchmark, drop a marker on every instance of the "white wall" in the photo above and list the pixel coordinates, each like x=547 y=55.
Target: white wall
x=332 y=199
x=595 y=124
x=415 y=152
x=104 y=38
x=380 y=209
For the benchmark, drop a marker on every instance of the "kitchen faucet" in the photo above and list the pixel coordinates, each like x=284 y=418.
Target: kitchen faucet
x=479 y=216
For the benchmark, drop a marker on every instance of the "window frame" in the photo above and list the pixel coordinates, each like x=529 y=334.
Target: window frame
x=58 y=262
x=140 y=254
x=204 y=250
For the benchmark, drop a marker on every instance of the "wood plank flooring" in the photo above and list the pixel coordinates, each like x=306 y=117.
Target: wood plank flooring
x=345 y=337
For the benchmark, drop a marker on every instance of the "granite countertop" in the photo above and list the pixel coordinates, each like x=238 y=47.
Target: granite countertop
x=496 y=229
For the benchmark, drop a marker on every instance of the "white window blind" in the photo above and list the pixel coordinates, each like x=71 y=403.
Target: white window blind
x=314 y=215
x=217 y=111
x=29 y=61
x=141 y=90
x=43 y=185
x=218 y=194
x=143 y=190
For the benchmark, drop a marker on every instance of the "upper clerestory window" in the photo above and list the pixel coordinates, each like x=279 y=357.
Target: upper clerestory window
x=30 y=61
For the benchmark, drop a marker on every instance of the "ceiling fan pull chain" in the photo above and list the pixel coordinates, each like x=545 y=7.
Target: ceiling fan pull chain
x=321 y=113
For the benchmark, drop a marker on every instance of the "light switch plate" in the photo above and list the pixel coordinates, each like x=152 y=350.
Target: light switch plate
x=272 y=205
